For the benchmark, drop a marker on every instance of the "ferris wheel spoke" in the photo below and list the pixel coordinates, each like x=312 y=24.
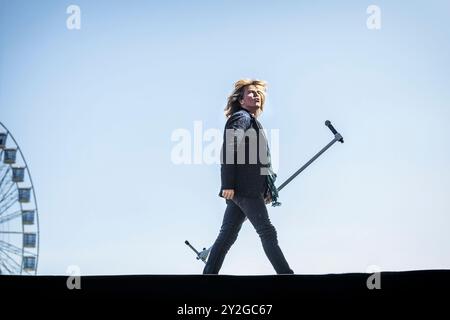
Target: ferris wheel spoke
x=8 y=247
x=8 y=193
x=5 y=246
x=5 y=267
x=10 y=216
x=3 y=170
x=12 y=263
x=9 y=258
x=4 y=182
x=12 y=194
x=5 y=174
x=9 y=197
x=8 y=204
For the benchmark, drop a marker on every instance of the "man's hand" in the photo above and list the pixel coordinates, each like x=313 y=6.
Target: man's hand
x=268 y=199
x=228 y=193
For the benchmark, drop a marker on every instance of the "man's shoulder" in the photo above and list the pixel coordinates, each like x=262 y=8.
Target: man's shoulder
x=239 y=119
x=240 y=115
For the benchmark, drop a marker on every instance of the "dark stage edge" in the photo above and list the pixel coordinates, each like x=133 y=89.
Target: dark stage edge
x=287 y=293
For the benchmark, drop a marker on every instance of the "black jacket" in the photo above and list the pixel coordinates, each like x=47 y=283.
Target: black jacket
x=244 y=175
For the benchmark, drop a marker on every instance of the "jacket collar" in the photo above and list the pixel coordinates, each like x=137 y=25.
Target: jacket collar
x=240 y=108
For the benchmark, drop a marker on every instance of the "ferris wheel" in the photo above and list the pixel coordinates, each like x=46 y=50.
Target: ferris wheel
x=19 y=223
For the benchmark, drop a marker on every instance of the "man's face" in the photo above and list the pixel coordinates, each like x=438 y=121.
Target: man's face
x=251 y=99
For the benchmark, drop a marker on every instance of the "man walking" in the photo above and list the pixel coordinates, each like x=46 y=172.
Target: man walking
x=247 y=180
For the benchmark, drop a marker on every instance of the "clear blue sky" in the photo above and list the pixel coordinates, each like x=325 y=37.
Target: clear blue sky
x=94 y=109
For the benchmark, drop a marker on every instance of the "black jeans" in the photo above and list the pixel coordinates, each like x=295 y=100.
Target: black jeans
x=256 y=212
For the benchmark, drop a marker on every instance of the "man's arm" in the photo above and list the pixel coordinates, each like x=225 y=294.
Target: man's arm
x=235 y=129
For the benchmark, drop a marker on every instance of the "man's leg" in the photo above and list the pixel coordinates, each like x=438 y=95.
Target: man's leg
x=232 y=222
x=256 y=211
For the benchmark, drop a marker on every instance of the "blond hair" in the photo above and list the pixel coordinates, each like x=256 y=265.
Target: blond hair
x=238 y=92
